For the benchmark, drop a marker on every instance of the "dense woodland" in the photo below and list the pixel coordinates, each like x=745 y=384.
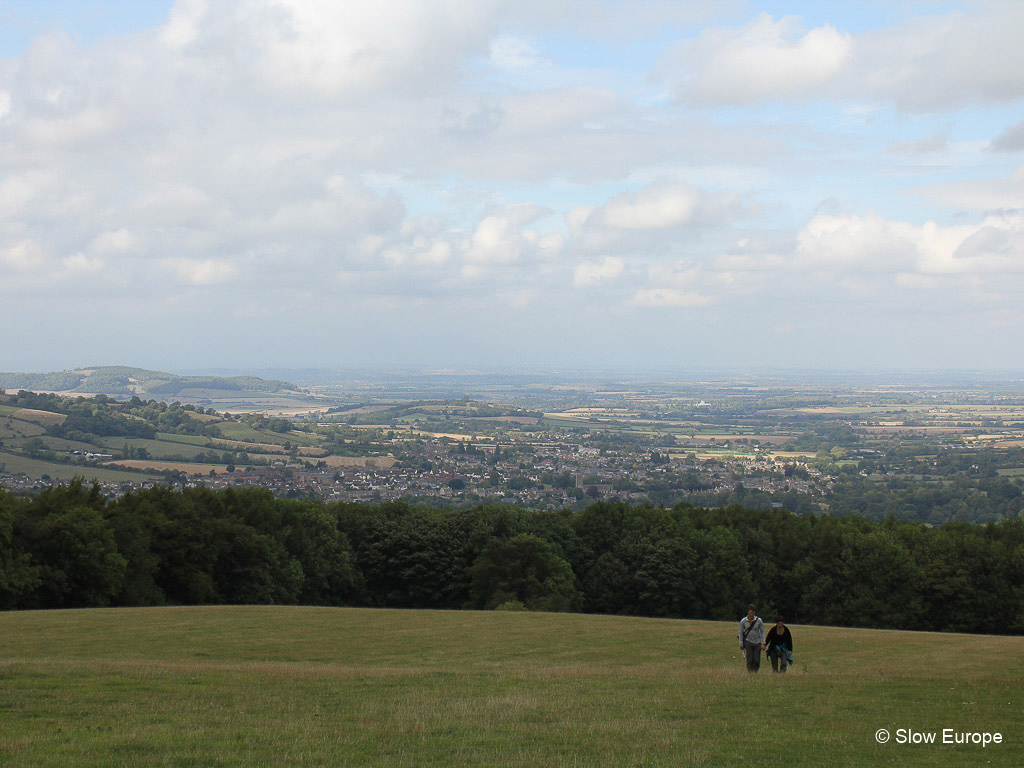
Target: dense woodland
x=72 y=547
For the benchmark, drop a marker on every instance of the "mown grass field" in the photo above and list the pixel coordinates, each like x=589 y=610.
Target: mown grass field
x=158 y=449
x=234 y=430
x=267 y=686
x=15 y=463
x=10 y=427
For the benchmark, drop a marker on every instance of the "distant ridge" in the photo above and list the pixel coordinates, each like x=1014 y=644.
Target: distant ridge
x=126 y=381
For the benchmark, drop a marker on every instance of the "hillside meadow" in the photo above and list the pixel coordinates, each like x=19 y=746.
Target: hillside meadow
x=294 y=686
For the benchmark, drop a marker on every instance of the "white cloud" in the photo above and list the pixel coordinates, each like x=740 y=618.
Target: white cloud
x=658 y=206
x=669 y=297
x=435 y=256
x=655 y=207
x=202 y=271
x=512 y=54
x=116 y=241
x=591 y=273
x=331 y=48
x=500 y=238
x=984 y=194
x=78 y=263
x=764 y=59
x=924 y=64
x=1011 y=139
x=425 y=157
x=655 y=218
x=22 y=256
x=939 y=62
x=851 y=243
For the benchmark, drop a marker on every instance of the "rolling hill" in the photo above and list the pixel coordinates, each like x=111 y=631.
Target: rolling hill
x=244 y=686
x=126 y=381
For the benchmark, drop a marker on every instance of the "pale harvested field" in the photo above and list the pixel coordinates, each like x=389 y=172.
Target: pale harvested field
x=934 y=430
x=378 y=462
x=504 y=419
x=239 y=445
x=269 y=448
x=449 y=435
x=163 y=466
x=43 y=418
x=772 y=439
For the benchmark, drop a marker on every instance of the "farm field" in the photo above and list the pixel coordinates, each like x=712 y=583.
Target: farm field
x=189 y=439
x=157 y=465
x=14 y=463
x=55 y=444
x=245 y=433
x=245 y=686
x=44 y=418
x=11 y=427
x=158 y=449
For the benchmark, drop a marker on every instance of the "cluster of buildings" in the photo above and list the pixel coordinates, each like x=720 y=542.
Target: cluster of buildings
x=555 y=473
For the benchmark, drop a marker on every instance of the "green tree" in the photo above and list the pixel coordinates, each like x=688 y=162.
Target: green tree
x=526 y=569
x=79 y=565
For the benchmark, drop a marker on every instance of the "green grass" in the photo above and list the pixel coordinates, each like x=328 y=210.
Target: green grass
x=158 y=449
x=247 y=686
x=18 y=428
x=56 y=444
x=237 y=430
x=170 y=437
x=14 y=464
x=244 y=432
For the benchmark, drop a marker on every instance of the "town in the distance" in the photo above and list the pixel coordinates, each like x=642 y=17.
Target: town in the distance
x=931 y=447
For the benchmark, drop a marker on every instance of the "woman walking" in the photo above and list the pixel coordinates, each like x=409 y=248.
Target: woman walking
x=779 y=642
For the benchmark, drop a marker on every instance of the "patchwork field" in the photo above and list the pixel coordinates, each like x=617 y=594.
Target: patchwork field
x=158 y=449
x=272 y=686
x=10 y=427
x=380 y=462
x=156 y=465
x=45 y=418
x=14 y=463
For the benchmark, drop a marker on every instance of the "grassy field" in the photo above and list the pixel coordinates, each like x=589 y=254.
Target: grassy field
x=188 y=439
x=10 y=427
x=44 y=418
x=53 y=444
x=158 y=449
x=15 y=464
x=245 y=686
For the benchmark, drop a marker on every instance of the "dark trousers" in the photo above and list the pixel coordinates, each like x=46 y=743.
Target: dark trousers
x=753 y=656
x=778 y=658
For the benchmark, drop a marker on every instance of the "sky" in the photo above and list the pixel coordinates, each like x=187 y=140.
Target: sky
x=556 y=184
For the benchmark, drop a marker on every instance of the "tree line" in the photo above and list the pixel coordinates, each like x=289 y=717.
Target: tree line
x=70 y=546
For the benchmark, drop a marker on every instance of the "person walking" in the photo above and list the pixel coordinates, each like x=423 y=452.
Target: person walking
x=779 y=642
x=752 y=638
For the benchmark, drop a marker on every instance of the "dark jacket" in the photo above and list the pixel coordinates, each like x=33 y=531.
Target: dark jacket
x=774 y=638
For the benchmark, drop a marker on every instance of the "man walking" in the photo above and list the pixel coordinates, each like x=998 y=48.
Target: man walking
x=752 y=638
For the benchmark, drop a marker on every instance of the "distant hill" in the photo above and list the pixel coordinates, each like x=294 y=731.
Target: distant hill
x=125 y=381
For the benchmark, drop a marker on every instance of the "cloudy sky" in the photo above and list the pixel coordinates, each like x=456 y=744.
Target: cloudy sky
x=478 y=183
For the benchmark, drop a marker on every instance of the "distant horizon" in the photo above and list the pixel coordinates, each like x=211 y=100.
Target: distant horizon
x=279 y=372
